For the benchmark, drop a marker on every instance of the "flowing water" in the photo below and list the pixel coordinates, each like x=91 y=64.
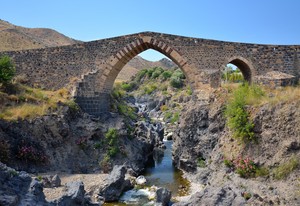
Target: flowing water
x=160 y=173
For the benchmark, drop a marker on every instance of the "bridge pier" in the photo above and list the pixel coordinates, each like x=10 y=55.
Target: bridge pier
x=95 y=105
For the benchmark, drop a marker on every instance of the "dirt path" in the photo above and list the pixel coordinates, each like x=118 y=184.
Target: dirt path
x=91 y=183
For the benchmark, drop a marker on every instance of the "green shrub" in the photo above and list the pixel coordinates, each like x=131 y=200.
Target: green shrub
x=166 y=75
x=164 y=108
x=238 y=117
x=150 y=72
x=72 y=105
x=168 y=115
x=140 y=75
x=175 y=117
x=126 y=110
x=228 y=163
x=148 y=89
x=283 y=170
x=112 y=140
x=128 y=86
x=178 y=73
x=176 y=82
x=201 y=162
x=261 y=171
x=157 y=72
x=189 y=90
x=7 y=69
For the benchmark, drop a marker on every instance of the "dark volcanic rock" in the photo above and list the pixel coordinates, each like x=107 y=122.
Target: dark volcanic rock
x=196 y=137
x=116 y=185
x=163 y=197
x=18 y=188
x=73 y=196
x=225 y=196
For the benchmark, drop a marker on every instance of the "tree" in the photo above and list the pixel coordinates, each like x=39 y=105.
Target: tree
x=7 y=69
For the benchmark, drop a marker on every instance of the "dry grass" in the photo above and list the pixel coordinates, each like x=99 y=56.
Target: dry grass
x=271 y=96
x=31 y=102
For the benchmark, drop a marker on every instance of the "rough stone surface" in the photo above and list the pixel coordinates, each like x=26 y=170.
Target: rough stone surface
x=116 y=185
x=196 y=142
x=51 y=181
x=163 y=196
x=225 y=196
x=17 y=188
x=202 y=134
x=92 y=67
x=67 y=140
x=74 y=195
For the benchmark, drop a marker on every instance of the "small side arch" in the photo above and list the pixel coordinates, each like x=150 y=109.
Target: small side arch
x=244 y=65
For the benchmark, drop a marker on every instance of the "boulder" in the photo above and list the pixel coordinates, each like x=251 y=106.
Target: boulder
x=50 y=181
x=163 y=197
x=18 y=188
x=74 y=195
x=116 y=185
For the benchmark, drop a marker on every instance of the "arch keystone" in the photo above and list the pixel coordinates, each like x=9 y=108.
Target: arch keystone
x=147 y=39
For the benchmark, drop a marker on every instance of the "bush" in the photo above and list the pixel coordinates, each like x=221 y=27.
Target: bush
x=237 y=115
x=178 y=73
x=176 y=82
x=140 y=75
x=112 y=141
x=157 y=72
x=201 y=162
x=175 y=117
x=245 y=167
x=7 y=70
x=128 y=86
x=150 y=88
x=166 y=75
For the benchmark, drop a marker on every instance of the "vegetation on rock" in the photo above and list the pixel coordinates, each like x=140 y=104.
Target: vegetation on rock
x=7 y=69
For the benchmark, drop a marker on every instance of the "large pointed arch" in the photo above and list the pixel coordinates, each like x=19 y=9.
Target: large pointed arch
x=117 y=61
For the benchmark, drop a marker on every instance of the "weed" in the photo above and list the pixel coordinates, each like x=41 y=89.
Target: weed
x=246 y=195
x=237 y=116
x=175 y=118
x=283 y=170
x=112 y=141
x=201 y=162
x=164 y=108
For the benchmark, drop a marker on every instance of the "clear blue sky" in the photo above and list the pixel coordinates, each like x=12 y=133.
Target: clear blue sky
x=252 y=21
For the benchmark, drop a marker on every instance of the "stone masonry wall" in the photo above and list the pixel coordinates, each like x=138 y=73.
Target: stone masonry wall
x=93 y=66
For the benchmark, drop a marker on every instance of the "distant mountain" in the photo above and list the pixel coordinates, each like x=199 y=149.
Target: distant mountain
x=138 y=63
x=14 y=37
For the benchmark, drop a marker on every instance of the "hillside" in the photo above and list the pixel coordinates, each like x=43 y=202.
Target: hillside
x=14 y=37
x=138 y=63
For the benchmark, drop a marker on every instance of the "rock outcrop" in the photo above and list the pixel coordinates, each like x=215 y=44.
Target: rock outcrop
x=196 y=136
x=202 y=135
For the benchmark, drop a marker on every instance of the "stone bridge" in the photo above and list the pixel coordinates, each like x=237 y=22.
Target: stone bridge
x=92 y=67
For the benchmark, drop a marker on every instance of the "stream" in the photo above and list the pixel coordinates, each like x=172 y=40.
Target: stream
x=160 y=173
